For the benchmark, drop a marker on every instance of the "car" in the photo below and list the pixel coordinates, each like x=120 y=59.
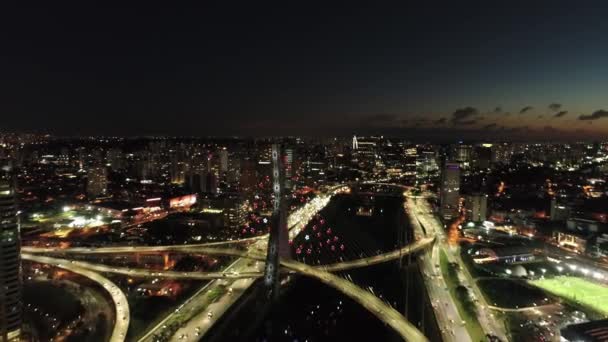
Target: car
x=210 y=314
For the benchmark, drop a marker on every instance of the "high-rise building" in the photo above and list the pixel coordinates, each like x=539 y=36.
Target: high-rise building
x=288 y=164
x=464 y=155
x=97 y=181
x=476 y=207
x=502 y=153
x=115 y=158
x=450 y=190
x=482 y=156
x=178 y=172
x=410 y=156
x=202 y=181
x=232 y=206
x=559 y=211
x=223 y=160
x=426 y=164
x=10 y=259
x=365 y=153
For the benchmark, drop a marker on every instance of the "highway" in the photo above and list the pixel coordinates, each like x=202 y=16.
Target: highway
x=446 y=312
x=384 y=312
x=240 y=276
x=121 y=323
x=380 y=258
x=296 y=222
x=422 y=211
x=147 y=273
x=201 y=322
x=145 y=249
x=230 y=273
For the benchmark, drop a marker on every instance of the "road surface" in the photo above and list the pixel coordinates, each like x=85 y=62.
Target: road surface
x=296 y=222
x=380 y=258
x=384 y=312
x=446 y=312
x=487 y=319
x=121 y=323
x=232 y=272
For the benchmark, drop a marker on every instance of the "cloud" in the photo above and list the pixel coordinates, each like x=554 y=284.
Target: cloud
x=560 y=114
x=490 y=126
x=598 y=114
x=467 y=122
x=526 y=109
x=517 y=129
x=549 y=129
x=554 y=107
x=382 y=118
x=464 y=116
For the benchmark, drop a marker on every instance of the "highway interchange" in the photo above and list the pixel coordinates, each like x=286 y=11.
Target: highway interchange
x=242 y=272
x=121 y=323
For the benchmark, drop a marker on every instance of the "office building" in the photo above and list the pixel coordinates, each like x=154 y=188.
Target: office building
x=476 y=207
x=10 y=260
x=97 y=181
x=450 y=191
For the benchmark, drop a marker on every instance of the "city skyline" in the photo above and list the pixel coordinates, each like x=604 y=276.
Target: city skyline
x=436 y=73
x=301 y=171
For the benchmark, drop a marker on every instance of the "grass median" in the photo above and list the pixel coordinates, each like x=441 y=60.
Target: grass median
x=466 y=308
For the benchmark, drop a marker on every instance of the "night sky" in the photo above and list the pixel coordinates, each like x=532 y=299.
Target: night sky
x=454 y=71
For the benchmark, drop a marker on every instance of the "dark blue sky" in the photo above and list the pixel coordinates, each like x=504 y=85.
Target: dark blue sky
x=410 y=70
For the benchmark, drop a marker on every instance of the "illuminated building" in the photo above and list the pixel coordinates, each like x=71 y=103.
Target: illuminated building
x=508 y=255
x=450 y=190
x=232 y=207
x=559 y=212
x=571 y=240
x=181 y=202
x=365 y=153
x=196 y=181
x=410 y=155
x=426 y=163
x=223 y=161
x=248 y=175
x=482 y=156
x=178 y=172
x=115 y=159
x=10 y=261
x=97 y=181
x=202 y=182
x=464 y=155
x=288 y=164
x=476 y=207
